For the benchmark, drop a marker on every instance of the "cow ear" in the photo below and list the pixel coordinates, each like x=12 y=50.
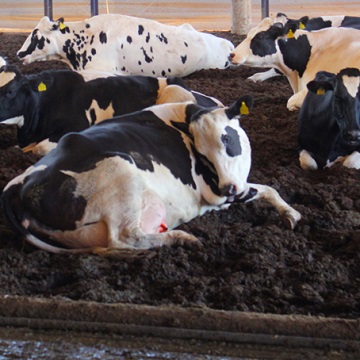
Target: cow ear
x=320 y=87
x=182 y=126
x=289 y=29
x=303 y=22
x=240 y=107
x=59 y=24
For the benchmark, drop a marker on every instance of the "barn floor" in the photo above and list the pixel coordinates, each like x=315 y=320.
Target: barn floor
x=249 y=262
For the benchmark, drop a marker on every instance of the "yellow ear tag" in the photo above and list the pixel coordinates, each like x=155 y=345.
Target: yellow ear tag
x=62 y=26
x=244 y=110
x=290 y=34
x=320 y=91
x=42 y=87
x=301 y=26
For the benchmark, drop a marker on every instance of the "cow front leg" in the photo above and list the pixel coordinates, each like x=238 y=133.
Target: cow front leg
x=352 y=161
x=289 y=215
x=294 y=103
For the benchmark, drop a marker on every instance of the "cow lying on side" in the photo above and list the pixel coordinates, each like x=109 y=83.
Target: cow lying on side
x=309 y=24
x=298 y=54
x=329 y=121
x=47 y=105
x=127 y=45
x=129 y=181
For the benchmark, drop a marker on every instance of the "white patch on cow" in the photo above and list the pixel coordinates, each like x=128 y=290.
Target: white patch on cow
x=100 y=114
x=20 y=179
x=17 y=120
x=44 y=147
x=262 y=76
x=353 y=161
x=2 y=61
x=351 y=84
x=6 y=77
x=307 y=162
x=175 y=94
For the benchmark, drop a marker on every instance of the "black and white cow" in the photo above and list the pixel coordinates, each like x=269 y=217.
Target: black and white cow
x=329 y=121
x=127 y=45
x=298 y=54
x=47 y=105
x=129 y=181
x=309 y=24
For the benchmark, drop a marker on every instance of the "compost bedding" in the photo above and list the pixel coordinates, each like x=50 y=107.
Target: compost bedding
x=248 y=261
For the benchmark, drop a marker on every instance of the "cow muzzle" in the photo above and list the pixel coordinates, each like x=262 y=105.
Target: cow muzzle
x=229 y=191
x=352 y=137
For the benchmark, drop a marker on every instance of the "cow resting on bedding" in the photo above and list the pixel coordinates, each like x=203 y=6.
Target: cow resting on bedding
x=127 y=45
x=49 y=104
x=298 y=54
x=329 y=121
x=129 y=181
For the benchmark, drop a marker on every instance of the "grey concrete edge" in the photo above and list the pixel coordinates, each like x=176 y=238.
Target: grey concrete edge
x=182 y=323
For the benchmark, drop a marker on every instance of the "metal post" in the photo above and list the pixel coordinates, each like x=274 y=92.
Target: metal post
x=48 y=9
x=94 y=7
x=264 y=8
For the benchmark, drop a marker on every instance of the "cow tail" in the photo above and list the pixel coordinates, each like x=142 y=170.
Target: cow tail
x=14 y=214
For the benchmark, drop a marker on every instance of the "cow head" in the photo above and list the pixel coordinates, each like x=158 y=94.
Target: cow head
x=341 y=94
x=259 y=44
x=40 y=43
x=12 y=101
x=219 y=138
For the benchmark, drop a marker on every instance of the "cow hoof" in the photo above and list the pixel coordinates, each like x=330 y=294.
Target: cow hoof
x=290 y=218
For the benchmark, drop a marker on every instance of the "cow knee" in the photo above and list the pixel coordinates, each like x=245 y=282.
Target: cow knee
x=352 y=161
x=307 y=162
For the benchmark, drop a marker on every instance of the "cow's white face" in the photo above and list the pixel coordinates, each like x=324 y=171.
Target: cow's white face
x=244 y=53
x=38 y=45
x=225 y=144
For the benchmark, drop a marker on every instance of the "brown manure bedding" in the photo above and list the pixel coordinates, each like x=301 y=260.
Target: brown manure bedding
x=249 y=261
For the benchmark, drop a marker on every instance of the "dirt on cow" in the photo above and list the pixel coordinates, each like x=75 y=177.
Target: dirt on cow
x=248 y=261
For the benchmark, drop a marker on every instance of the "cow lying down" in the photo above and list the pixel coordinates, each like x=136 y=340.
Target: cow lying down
x=126 y=45
x=49 y=104
x=298 y=54
x=329 y=121
x=128 y=182
x=309 y=24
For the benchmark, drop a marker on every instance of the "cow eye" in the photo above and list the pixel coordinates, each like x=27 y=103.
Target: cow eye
x=226 y=139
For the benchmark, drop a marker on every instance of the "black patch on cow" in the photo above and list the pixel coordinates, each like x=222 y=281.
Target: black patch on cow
x=147 y=39
x=162 y=38
x=185 y=43
x=48 y=41
x=92 y=116
x=92 y=39
x=87 y=26
x=71 y=54
x=34 y=43
x=140 y=30
x=251 y=193
x=317 y=24
x=183 y=59
x=129 y=39
x=141 y=135
x=103 y=37
x=351 y=22
x=139 y=62
x=163 y=73
x=147 y=58
x=207 y=170
x=231 y=142
x=93 y=51
x=263 y=43
x=296 y=53
x=151 y=49
x=45 y=188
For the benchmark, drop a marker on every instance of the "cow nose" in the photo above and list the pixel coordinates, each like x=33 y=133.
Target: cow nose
x=353 y=136
x=228 y=190
x=231 y=56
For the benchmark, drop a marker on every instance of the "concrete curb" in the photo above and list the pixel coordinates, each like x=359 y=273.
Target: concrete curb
x=181 y=323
